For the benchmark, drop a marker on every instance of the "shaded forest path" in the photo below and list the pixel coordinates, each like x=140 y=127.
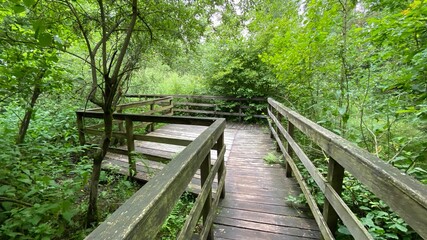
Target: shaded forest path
x=255 y=205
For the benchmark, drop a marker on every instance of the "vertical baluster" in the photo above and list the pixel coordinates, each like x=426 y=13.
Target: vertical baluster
x=204 y=172
x=272 y=122
x=290 y=131
x=121 y=128
x=80 y=127
x=240 y=110
x=131 y=146
x=279 y=119
x=335 y=178
x=171 y=104
x=220 y=145
x=152 y=113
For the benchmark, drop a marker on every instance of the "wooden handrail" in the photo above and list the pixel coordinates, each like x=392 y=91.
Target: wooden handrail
x=199 y=97
x=406 y=196
x=142 y=215
x=211 y=105
x=135 y=104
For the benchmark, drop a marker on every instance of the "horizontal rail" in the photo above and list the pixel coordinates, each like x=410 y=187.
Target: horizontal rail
x=199 y=97
x=223 y=106
x=203 y=121
x=208 y=105
x=406 y=196
x=210 y=112
x=142 y=215
x=135 y=104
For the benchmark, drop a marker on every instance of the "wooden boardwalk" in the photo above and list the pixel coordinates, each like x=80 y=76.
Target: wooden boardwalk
x=255 y=206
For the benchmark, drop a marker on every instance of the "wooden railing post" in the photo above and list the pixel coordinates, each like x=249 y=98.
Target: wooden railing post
x=290 y=131
x=131 y=146
x=335 y=179
x=171 y=104
x=220 y=145
x=152 y=124
x=205 y=168
x=279 y=119
x=240 y=110
x=80 y=127
x=272 y=111
x=121 y=128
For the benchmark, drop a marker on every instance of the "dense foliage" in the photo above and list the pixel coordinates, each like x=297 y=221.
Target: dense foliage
x=357 y=68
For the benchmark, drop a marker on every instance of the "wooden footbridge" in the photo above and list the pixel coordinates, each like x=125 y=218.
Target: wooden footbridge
x=240 y=196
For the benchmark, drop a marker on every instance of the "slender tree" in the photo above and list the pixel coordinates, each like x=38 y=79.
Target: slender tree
x=115 y=34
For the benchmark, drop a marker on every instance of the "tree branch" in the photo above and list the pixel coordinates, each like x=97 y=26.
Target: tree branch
x=115 y=76
x=148 y=27
x=5 y=199
x=104 y=37
x=92 y=95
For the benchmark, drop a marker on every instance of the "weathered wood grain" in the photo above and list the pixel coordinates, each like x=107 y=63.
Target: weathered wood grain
x=385 y=181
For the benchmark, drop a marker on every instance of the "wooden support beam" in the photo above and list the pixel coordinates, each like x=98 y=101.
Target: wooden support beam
x=290 y=131
x=335 y=179
x=204 y=173
x=220 y=147
x=80 y=128
x=131 y=146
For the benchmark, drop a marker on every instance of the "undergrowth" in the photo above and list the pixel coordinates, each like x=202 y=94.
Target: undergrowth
x=374 y=214
x=44 y=182
x=176 y=219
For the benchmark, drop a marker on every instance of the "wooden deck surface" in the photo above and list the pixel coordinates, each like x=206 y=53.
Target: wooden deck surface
x=255 y=206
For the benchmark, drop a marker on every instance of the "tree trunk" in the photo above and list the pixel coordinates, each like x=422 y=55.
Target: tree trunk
x=92 y=212
x=344 y=100
x=28 y=114
x=111 y=85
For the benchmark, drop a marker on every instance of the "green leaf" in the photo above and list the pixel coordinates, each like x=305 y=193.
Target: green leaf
x=5 y=189
x=399 y=227
x=364 y=208
x=58 y=40
x=34 y=219
x=29 y=3
x=25 y=180
x=368 y=222
x=391 y=236
x=343 y=230
x=45 y=39
x=409 y=110
x=18 y=8
x=342 y=110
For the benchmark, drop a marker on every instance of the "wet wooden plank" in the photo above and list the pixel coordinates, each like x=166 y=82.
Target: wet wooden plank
x=237 y=233
x=272 y=228
x=287 y=209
